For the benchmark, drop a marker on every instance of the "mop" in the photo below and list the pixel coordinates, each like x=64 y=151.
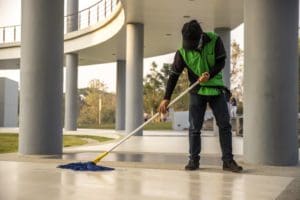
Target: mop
x=92 y=165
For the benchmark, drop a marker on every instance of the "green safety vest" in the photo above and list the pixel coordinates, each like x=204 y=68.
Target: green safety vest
x=203 y=61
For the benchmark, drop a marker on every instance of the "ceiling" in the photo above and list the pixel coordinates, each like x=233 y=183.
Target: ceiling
x=163 y=20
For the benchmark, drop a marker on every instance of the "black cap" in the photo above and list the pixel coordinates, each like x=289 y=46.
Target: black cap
x=191 y=34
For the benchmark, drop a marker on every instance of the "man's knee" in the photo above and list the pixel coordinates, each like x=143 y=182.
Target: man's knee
x=224 y=123
x=195 y=125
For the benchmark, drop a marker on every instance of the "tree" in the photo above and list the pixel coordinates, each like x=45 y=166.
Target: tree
x=165 y=72
x=108 y=108
x=90 y=104
x=182 y=84
x=153 y=89
x=237 y=71
x=155 y=84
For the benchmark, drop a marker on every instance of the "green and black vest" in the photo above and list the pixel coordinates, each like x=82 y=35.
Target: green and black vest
x=202 y=61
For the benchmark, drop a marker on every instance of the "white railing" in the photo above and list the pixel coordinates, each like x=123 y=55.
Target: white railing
x=92 y=15
x=10 y=34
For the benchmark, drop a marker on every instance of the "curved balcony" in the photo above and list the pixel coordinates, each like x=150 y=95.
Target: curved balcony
x=85 y=18
x=98 y=23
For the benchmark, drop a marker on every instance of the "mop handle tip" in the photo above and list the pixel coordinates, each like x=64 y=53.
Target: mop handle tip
x=102 y=155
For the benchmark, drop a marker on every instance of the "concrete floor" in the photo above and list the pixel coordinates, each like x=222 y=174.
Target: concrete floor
x=142 y=176
x=149 y=167
x=162 y=142
x=30 y=180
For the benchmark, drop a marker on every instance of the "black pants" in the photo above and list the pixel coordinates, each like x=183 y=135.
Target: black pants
x=197 y=109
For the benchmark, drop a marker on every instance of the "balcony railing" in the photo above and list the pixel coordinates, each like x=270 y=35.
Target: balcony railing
x=92 y=15
x=10 y=34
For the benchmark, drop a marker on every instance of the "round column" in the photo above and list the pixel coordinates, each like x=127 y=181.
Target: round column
x=120 y=107
x=134 y=76
x=224 y=34
x=71 y=97
x=41 y=77
x=270 y=85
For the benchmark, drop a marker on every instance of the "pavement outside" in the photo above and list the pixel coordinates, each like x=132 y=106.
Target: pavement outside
x=147 y=167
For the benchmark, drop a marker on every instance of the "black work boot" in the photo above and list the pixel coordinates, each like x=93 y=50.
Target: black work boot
x=192 y=165
x=232 y=166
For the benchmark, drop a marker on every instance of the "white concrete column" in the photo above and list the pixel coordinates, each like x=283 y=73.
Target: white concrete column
x=72 y=13
x=224 y=34
x=71 y=97
x=270 y=85
x=134 y=76
x=120 y=107
x=41 y=77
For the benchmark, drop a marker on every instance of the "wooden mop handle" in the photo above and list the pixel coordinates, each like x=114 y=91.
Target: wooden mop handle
x=145 y=123
x=154 y=116
x=183 y=93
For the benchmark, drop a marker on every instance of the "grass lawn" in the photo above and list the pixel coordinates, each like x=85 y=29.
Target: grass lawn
x=159 y=126
x=151 y=126
x=98 y=138
x=96 y=126
x=9 y=142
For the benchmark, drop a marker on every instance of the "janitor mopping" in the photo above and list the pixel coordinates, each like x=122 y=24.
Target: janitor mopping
x=203 y=55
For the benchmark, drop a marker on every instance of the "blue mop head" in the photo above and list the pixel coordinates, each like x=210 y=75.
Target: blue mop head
x=85 y=166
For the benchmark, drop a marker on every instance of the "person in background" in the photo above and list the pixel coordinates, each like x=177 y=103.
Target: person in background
x=233 y=107
x=203 y=55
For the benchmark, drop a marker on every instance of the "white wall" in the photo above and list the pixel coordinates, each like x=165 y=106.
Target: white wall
x=8 y=103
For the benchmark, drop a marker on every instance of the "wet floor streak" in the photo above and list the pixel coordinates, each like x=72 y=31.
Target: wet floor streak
x=144 y=158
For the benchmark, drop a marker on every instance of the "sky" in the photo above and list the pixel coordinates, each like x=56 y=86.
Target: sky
x=10 y=14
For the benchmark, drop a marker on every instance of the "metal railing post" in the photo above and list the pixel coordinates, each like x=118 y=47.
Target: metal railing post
x=15 y=37
x=111 y=6
x=79 y=22
x=89 y=15
x=97 y=12
x=3 y=34
x=105 y=8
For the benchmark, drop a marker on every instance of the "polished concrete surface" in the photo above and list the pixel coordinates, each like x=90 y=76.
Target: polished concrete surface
x=29 y=181
x=148 y=167
x=153 y=158
x=163 y=141
x=162 y=144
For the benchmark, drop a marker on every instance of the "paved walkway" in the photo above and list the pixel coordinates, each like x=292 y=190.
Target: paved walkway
x=31 y=180
x=152 y=142
x=148 y=167
x=161 y=144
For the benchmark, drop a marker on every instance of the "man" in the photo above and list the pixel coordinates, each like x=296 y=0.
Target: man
x=203 y=55
x=233 y=107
